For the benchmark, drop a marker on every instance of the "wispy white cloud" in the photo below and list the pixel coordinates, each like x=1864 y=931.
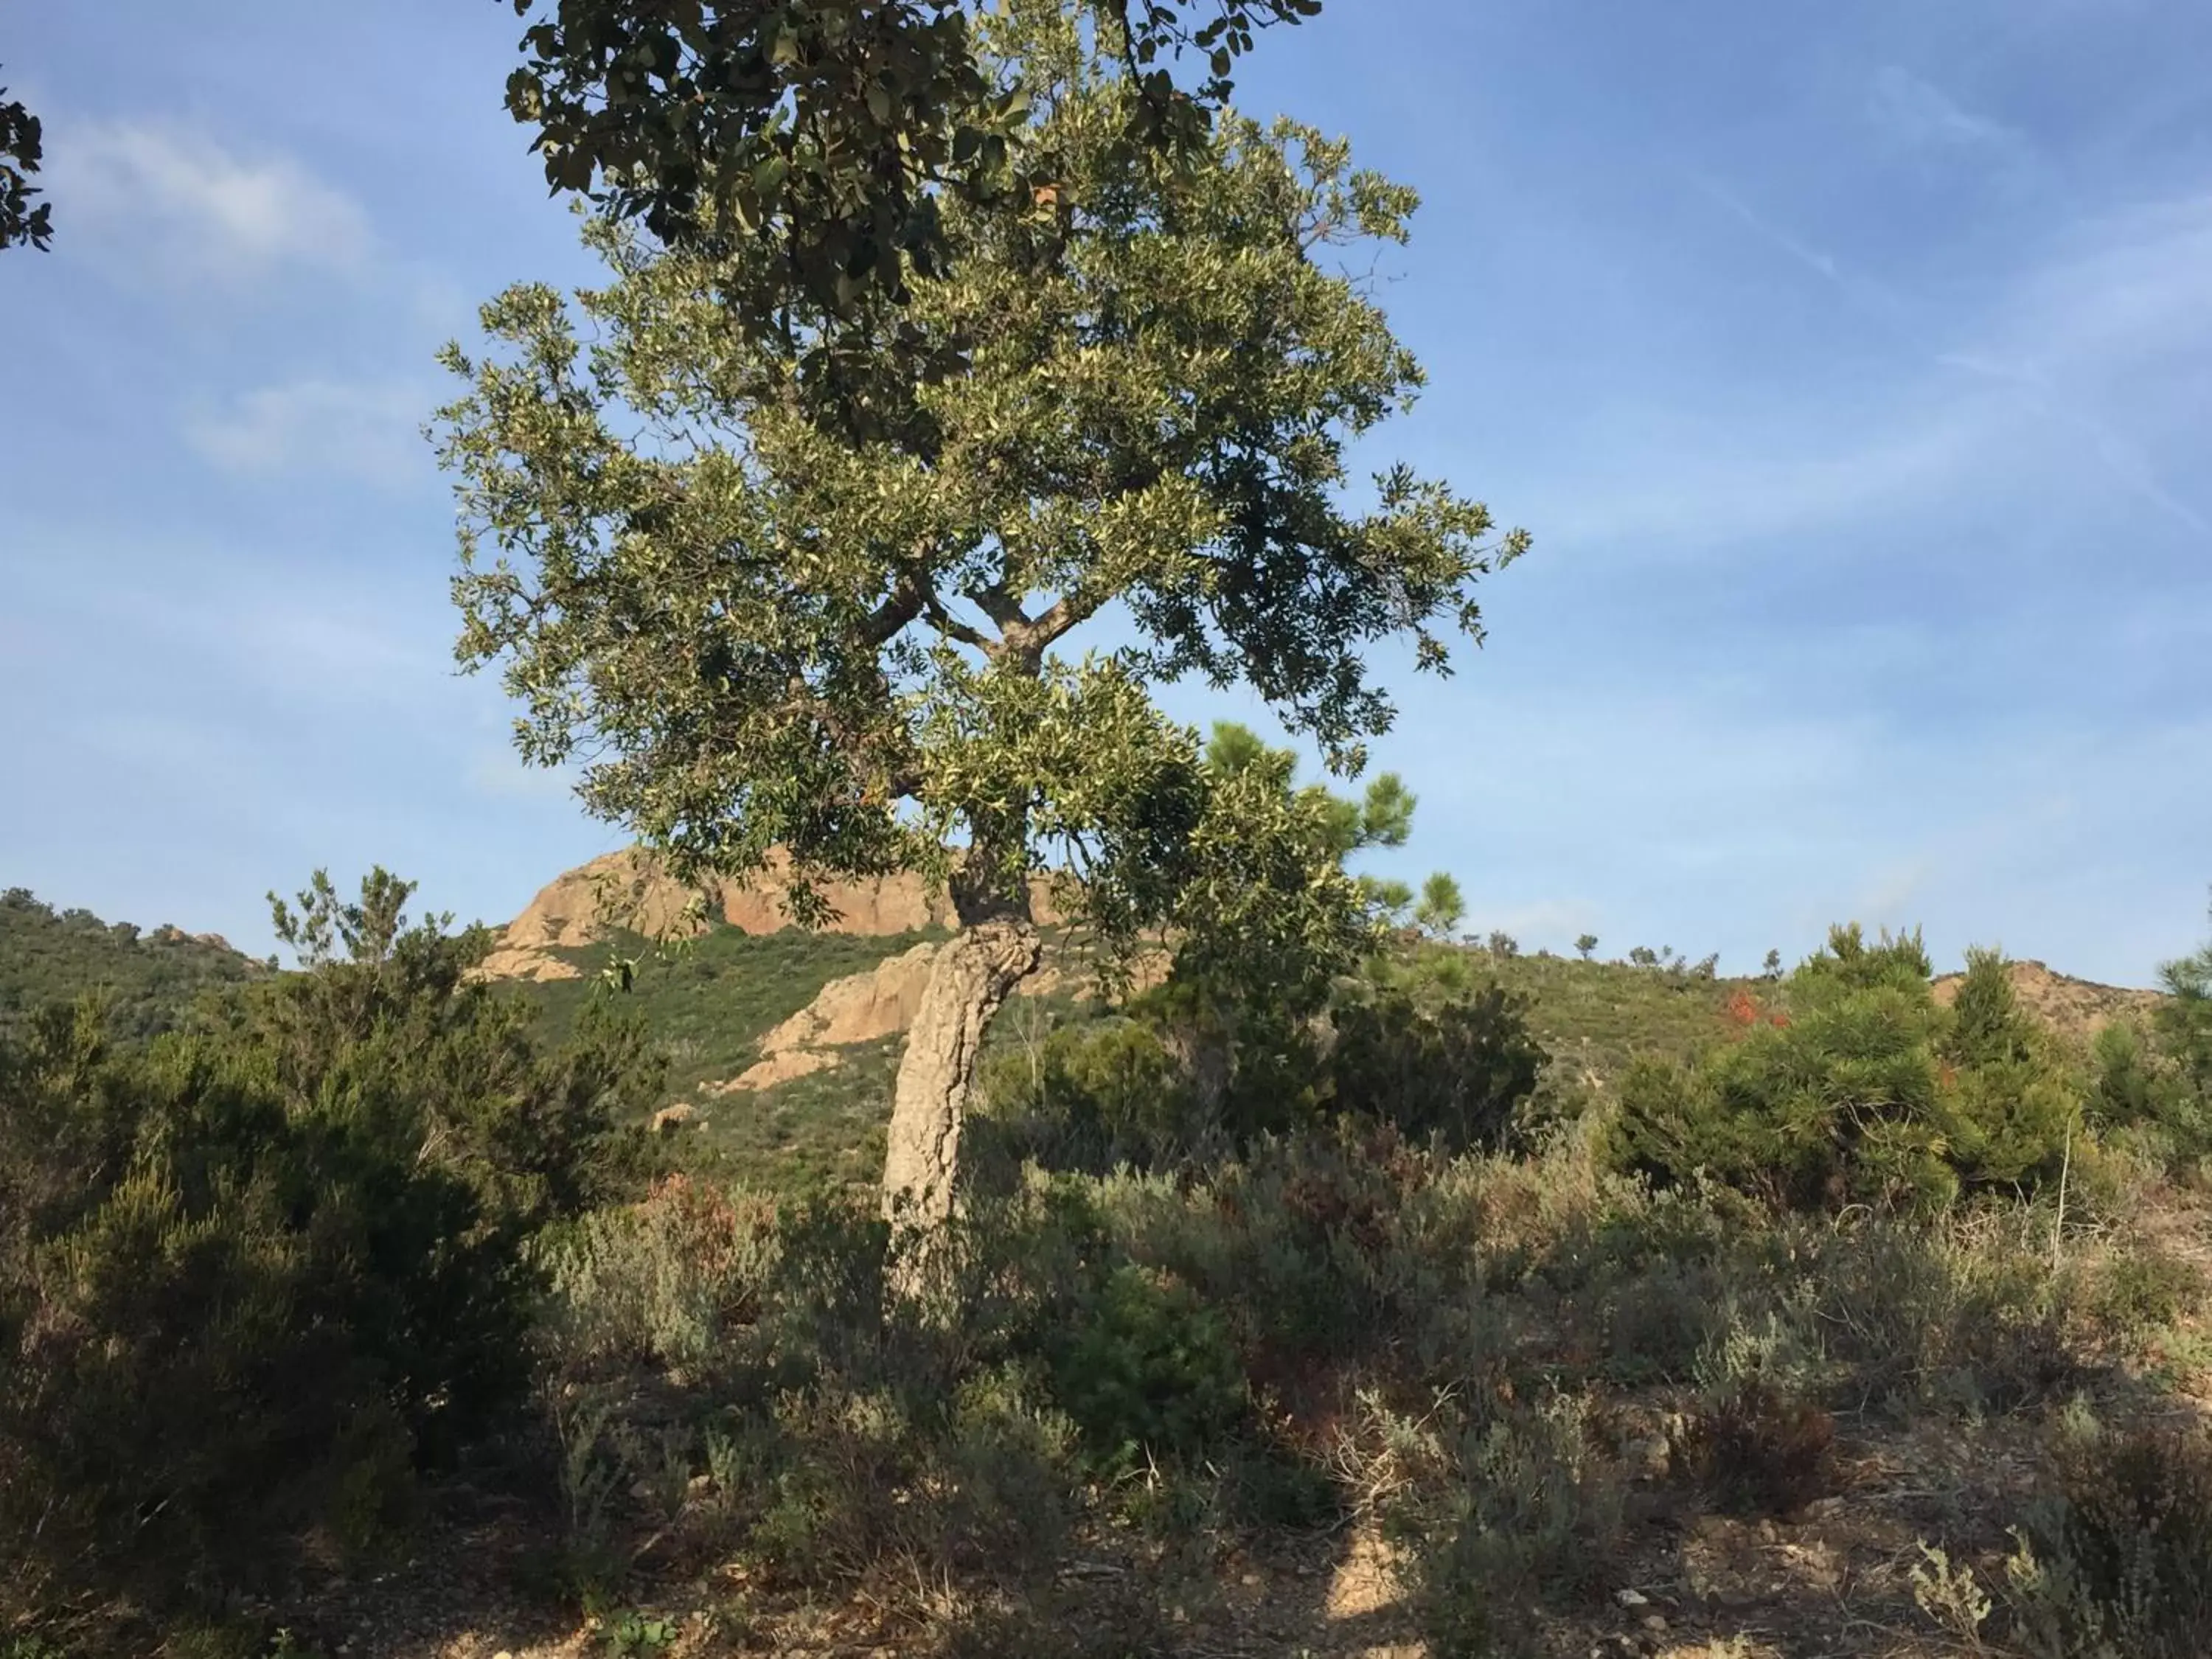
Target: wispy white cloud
x=2087 y=342
x=1913 y=114
x=2122 y=289
x=2078 y=364
x=166 y=200
x=369 y=431
x=1817 y=260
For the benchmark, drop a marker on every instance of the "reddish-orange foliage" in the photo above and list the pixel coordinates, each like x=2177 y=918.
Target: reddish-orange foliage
x=1743 y=1010
x=712 y=1226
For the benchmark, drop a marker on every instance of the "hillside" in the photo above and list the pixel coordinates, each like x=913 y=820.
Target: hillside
x=2075 y=1008
x=151 y=977
x=1688 y=1426
x=782 y=1043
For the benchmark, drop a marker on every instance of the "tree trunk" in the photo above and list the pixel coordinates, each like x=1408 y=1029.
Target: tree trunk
x=971 y=976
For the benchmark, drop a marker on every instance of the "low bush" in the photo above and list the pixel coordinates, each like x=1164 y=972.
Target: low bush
x=731 y=1376
x=2119 y=1560
x=2139 y=1289
x=1758 y=1448
x=1146 y=1368
x=1313 y=1246
x=1188 y=1076
x=1961 y=1313
x=1454 y=1073
x=253 y=1278
x=663 y=1282
x=1534 y=1514
x=2151 y=1082
x=844 y=1484
x=1090 y=1096
x=1867 y=1093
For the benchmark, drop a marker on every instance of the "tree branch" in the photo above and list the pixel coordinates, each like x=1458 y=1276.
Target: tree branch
x=908 y=598
x=995 y=601
x=953 y=628
x=1029 y=639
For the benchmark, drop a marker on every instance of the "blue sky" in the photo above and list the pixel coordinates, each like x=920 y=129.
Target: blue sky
x=1852 y=367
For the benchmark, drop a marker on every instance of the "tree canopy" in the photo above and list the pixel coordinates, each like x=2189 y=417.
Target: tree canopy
x=826 y=131
x=754 y=629
x=767 y=602
x=23 y=139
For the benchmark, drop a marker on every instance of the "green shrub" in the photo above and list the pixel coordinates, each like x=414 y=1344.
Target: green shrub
x=1455 y=1072
x=2152 y=1085
x=635 y=1635
x=1536 y=1515
x=852 y=1480
x=661 y=1282
x=1092 y=1096
x=1314 y=1246
x=2140 y=1288
x=1866 y=1093
x=1191 y=1074
x=1271 y=1484
x=149 y=981
x=2183 y=1023
x=1963 y=1313
x=734 y=1378
x=252 y=1278
x=2120 y=1562
x=1147 y=1368
x=2138 y=1098
x=1658 y=1320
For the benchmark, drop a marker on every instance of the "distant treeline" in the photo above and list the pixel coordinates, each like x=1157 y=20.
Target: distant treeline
x=149 y=978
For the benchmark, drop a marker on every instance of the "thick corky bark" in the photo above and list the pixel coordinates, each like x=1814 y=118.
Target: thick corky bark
x=971 y=976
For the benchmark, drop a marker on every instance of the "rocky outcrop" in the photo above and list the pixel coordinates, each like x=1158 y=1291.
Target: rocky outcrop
x=859 y=1008
x=537 y=965
x=2075 y=1008
x=781 y=1066
x=631 y=891
x=883 y=1002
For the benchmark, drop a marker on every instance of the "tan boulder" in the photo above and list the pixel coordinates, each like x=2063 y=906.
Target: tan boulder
x=778 y=1067
x=860 y=1007
x=1059 y=972
x=626 y=890
x=537 y=965
x=882 y=1002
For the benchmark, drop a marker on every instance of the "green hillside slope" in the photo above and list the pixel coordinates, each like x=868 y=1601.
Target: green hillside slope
x=710 y=1002
x=150 y=979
